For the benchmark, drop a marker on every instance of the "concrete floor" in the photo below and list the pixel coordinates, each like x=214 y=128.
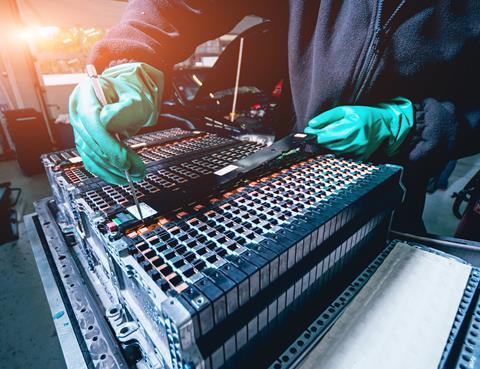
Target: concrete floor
x=28 y=338
x=438 y=215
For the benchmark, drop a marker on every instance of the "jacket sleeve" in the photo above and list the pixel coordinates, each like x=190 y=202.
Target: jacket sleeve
x=164 y=32
x=442 y=132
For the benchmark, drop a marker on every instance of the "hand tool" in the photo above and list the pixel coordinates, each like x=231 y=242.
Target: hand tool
x=92 y=74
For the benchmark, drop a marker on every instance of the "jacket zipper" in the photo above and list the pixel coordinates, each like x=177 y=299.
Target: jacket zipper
x=371 y=52
x=373 y=48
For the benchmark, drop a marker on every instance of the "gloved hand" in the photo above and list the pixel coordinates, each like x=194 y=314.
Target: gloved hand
x=133 y=92
x=361 y=130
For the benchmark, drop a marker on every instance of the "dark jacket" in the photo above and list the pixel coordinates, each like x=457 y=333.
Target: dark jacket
x=340 y=52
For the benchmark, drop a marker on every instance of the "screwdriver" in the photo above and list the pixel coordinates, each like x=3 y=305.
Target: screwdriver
x=97 y=87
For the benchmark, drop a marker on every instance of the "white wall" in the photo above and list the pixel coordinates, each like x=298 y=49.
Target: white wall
x=58 y=95
x=58 y=88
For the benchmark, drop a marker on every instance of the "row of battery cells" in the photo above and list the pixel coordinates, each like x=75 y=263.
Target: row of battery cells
x=241 y=220
x=176 y=175
x=324 y=270
x=220 y=305
x=309 y=182
x=227 y=156
x=182 y=147
x=246 y=219
x=249 y=215
x=272 y=202
x=76 y=174
x=108 y=196
x=154 y=137
x=62 y=156
x=215 y=161
x=241 y=217
x=72 y=172
x=166 y=178
x=258 y=278
x=190 y=247
x=164 y=268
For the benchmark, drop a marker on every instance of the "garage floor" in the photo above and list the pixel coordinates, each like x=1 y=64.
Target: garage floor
x=28 y=339
x=438 y=215
x=27 y=334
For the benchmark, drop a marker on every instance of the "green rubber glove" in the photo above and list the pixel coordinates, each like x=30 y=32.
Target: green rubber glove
x=134 y=92
x=361 y=130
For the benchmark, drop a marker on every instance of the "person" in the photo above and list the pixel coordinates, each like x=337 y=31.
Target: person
x=374 y=79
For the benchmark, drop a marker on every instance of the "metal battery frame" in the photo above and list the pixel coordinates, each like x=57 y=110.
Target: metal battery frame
x=87 y=340
x=84 y=335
